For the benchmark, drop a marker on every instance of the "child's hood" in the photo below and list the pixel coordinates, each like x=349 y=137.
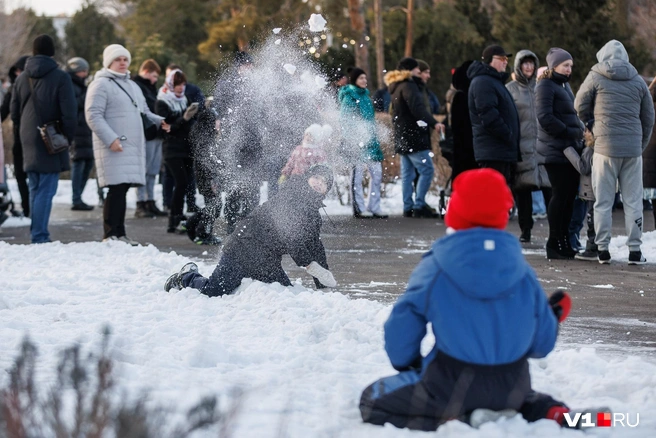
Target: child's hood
x=483 y=263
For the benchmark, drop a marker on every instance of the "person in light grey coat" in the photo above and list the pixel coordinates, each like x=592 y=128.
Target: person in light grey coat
x=529 y=175
x=113 y=110
x=618 y=100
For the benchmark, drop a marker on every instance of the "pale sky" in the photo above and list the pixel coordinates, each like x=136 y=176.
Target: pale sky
x=47 y=7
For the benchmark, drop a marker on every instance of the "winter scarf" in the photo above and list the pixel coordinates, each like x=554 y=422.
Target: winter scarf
x=178 y=103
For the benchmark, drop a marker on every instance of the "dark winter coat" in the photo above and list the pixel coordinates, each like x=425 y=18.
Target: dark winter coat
x=149 y=91
x=382 y=100
x=618 y=100
x=559 y=126
x=529 y=175
x=177 y=142
x=408 y=108
x=461 y=127
x=495 y=123
x=649 y=155
x=82 y=148
x=489 y=311
x=289 y=223
x=56 y=102
x=195 y=94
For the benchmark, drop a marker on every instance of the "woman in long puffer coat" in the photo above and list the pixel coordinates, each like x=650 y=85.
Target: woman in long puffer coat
x=558 y=128
x=530 y=174
x=113 y=109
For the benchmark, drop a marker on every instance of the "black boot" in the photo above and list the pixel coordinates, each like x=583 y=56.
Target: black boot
x=556 y=250
x=141 y=211
x=152 y=207
x=567 y=247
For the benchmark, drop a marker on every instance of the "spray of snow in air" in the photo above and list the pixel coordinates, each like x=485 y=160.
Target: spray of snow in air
x=264 y=108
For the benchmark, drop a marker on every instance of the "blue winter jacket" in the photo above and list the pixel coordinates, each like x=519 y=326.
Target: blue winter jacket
x=483 y=301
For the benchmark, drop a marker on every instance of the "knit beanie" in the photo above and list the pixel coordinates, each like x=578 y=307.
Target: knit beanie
x=407 y=64
x=354 y=74
x=43 y=45
x=423 y=65
x=112 y=52
x=480 y=198
x=557 y=56
x=76 y=65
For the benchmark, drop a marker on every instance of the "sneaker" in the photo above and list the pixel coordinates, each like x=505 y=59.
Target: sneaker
x=124 y=239
x=478 y=417
x=82 y=207
x=211 y=240
x=175 y=280
x=636 y=258
x=525 y=237
x=604 y=257
x=539 y=216
x=588 y=255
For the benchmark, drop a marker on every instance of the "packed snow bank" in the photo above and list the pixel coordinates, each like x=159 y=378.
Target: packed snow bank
x=303 y=356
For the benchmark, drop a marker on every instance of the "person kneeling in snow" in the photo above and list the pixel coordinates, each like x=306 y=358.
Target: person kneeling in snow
x=488 y=313
x=289 y=223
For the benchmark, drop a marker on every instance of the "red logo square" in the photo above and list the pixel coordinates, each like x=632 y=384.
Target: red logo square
x=603 y=419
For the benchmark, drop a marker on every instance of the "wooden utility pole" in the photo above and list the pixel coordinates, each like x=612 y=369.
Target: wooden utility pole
x=380 y=53
x=358 y=24
x=408 y=33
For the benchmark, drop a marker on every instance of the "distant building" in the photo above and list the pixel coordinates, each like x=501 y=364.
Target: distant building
x=60 y=23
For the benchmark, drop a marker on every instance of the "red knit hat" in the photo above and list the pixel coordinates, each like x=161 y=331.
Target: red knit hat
x=481 y=198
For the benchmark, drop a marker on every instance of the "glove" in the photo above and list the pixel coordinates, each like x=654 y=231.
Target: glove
x=191 y=112
x=321 y=274
x=561 y=304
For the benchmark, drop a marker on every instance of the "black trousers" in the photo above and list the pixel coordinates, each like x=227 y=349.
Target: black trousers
x=507 y=169
x=564 y=180
x=524 y=204
x=182 y=170
x=21 y=179
x=114 y=210
x=451 y=389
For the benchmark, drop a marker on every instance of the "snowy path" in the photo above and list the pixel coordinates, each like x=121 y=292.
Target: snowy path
x=302 y=356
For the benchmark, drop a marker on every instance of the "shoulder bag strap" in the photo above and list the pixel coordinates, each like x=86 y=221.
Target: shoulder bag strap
x=126 y=92
x=36 y=106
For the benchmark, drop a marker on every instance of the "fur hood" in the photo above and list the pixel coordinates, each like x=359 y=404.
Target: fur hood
x=397 y=76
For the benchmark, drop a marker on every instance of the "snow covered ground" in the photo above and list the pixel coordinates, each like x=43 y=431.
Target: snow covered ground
x=302 y=356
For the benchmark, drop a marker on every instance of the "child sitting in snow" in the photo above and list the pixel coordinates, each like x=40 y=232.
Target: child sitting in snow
x=289 y=223
x=488 y=313
x=309 y=152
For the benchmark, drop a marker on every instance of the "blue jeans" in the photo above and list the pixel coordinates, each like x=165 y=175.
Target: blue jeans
x=43 y=187
x=538 y=203
x=576 y=224
x=80 y=171
x=422 y=163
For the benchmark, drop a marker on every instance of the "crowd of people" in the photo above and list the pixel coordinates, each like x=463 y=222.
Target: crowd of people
x=575 y=151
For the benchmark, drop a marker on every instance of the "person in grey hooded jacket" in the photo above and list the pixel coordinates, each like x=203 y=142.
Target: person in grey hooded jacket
x=529 y=174
x=113 y=110
x=618 y=100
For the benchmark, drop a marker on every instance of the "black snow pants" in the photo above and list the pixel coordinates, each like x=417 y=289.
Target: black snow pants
x=450 y=389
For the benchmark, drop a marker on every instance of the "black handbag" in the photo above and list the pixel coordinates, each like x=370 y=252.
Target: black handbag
x=149 y=127
x=51 y=132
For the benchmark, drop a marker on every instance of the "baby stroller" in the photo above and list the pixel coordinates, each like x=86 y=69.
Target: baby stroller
x=6 y=203
x=446 y=149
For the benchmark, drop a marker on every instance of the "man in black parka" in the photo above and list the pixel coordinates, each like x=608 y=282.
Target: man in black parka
x=494 y=118
x=82 y=149
x=55 y=102
x=289 y=223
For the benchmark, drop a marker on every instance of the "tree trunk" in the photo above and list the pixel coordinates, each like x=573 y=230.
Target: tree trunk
x=408 y=32
x=380 y=52
x=358 y=24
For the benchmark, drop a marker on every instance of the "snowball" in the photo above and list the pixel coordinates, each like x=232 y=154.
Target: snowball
x=317 y=23
x=291 y=69
x=277 y=41
x=277 y=30
x=421 y=123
